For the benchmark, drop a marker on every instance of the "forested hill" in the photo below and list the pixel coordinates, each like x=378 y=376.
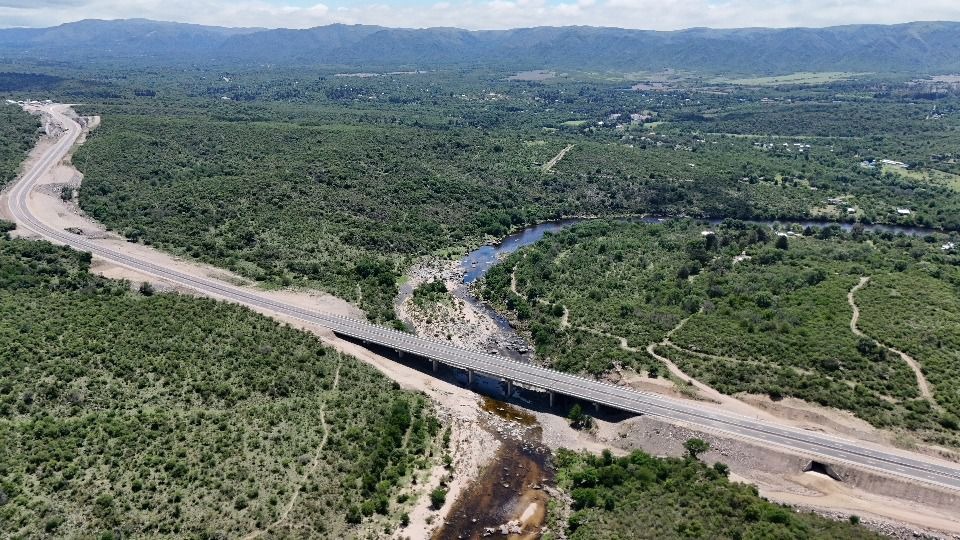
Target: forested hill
x=928 y=47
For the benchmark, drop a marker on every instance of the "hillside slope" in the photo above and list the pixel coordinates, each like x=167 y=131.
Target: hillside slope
x=913 y=47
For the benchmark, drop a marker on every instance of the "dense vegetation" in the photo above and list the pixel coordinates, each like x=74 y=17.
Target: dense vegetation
x=765 y=312
x=918 y=312
x=640 y=496
x=18 y=131
x=337 y=207
x=333 y=182
x=123 y=415
x=138 y=43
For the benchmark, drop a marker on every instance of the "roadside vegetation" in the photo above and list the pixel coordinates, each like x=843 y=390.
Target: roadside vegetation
x=641 y=496
x=18 y=131
x=126 y=414
x=747 y=309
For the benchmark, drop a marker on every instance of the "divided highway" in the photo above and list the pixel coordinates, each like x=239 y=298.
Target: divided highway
x=827 y=448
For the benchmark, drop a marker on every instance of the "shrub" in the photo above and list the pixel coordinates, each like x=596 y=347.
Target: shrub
x=437 y=497
x=695 y=447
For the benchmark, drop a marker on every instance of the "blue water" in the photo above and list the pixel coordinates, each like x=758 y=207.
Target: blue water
x=479 y=261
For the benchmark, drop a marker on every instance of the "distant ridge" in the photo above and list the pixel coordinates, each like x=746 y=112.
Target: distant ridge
x=930 y=47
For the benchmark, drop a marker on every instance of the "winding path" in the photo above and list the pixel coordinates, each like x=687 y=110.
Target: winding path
x=909 y=360
x=907 y=465
x=313 y=466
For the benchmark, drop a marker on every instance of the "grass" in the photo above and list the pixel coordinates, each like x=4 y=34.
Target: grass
x=926 y=176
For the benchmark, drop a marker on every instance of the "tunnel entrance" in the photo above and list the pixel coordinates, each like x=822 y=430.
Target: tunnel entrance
x=822 y=468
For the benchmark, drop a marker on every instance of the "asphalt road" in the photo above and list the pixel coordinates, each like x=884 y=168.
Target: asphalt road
x=833 y=450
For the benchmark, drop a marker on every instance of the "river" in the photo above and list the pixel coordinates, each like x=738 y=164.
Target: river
x=479 y=261
x=509 y=491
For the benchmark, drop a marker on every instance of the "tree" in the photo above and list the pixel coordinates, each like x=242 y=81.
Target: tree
x=695 y=447
x=782 y=242
x=353 y=514
x=578 y=418
x=146 y=289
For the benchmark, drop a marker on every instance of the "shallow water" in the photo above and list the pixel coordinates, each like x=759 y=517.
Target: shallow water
x=509 y=489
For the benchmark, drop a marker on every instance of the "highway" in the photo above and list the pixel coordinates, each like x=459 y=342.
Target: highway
x=829 y=449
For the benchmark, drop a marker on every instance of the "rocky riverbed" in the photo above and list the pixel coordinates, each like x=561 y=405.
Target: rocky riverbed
x=509 y=498
x=460 y=319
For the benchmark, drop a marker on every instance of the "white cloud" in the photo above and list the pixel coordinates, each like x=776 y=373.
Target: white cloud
x=480 y=14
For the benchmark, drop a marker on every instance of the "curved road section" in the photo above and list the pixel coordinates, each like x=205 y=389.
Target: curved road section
x=817 y=445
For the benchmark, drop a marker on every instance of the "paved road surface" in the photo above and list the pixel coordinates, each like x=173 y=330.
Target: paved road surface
x=710 y=417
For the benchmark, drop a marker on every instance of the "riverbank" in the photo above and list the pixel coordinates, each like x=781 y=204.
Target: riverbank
x=459 y=318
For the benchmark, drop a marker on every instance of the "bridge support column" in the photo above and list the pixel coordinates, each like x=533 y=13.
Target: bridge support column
x=435 y=364
x=399 y=353
x=552 y=395
x=469 y=377
x=596 y=406
x=509 y=388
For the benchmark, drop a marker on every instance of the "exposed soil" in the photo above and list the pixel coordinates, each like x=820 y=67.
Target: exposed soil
x=886 y=504
x=548 y=166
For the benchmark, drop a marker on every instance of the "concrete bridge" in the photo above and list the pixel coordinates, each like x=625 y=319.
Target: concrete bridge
x=699 y=415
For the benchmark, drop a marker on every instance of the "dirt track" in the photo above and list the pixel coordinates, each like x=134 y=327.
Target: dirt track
x=909 y=360
x=456 y=403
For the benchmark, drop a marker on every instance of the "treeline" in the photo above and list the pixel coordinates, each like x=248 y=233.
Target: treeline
x=125 y=415
x=337 y=207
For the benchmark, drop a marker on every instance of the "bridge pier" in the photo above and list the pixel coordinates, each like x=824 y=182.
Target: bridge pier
x=469 y=377
x=399 y=353
x=509 y=387
x=552 y=395
x=596 y=407
x=435 y=364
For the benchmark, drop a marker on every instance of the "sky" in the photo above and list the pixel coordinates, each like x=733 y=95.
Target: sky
x=486 y=14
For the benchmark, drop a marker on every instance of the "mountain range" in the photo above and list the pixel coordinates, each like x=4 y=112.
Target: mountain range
x=920 y=47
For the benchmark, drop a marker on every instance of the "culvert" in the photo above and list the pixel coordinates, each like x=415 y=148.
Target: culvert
x=822 y=468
